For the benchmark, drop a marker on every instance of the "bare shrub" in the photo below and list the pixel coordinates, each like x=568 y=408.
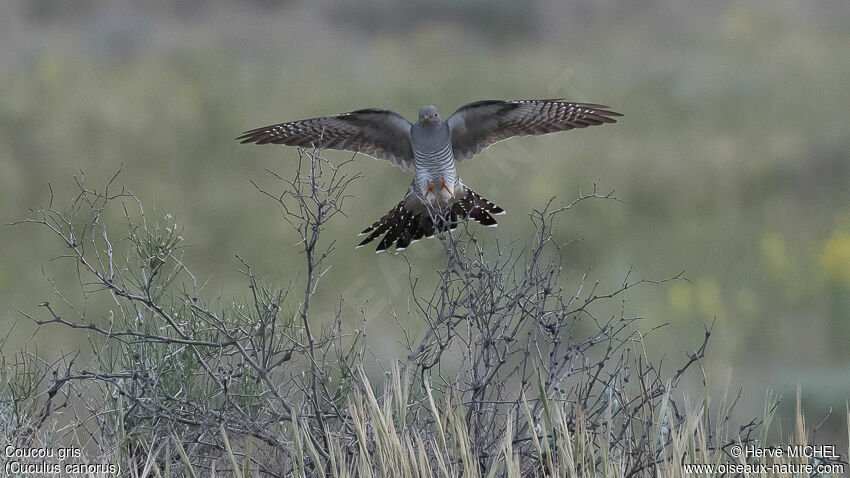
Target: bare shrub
x=514 y=373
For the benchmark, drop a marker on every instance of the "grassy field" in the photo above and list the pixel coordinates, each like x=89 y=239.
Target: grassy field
x=731 y=162
x=399 y=451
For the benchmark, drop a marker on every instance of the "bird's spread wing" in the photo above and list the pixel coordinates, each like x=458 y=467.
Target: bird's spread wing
x=477 y=125
x=379 y=133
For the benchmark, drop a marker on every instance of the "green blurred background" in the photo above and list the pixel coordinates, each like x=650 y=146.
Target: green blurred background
x=731 y=161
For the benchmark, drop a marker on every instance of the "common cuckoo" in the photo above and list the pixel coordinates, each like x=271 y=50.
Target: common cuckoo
x=437 y=199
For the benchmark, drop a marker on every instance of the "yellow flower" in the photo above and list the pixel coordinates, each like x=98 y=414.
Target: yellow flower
x=704 y=297
x=835 y=258
x=680 y=296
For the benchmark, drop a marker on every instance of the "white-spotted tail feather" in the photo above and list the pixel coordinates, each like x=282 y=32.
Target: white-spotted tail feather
x=402 y=226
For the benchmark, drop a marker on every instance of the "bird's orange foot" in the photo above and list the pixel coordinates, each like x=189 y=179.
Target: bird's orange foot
x=445 y=186
x=430 y=190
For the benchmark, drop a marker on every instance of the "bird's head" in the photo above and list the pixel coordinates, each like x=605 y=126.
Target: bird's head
x=428 y=114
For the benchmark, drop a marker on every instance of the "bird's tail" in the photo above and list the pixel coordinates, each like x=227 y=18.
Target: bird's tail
x=404 y=225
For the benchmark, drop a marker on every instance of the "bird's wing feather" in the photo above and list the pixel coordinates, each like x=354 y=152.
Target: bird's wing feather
x=476 y=126
x=379 y=133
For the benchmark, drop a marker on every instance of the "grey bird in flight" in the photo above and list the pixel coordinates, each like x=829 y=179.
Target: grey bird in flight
x=437 y=199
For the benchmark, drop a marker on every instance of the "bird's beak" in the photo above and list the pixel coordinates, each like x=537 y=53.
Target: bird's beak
x=430 y=117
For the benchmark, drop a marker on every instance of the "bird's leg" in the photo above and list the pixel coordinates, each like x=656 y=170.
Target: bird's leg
x=430 y=190
x=445 y=186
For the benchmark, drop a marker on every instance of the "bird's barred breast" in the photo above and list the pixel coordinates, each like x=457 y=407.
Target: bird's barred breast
x=435 y=167
x=436 y=163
